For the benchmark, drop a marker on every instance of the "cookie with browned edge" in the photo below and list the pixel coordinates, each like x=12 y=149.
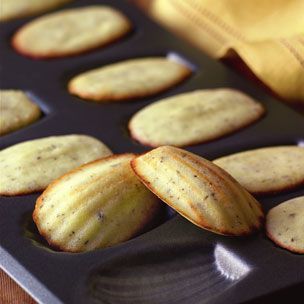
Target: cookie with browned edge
x=13 y=9
x=199 y=190
x=285 y=225
x=17 y=110
x=266 y=170
x=70 y=32
x=98 y=205
x=194 y=117
x=30 y=166
x=129 y=79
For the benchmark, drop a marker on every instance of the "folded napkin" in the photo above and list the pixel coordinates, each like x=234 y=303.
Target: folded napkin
x=267 y=35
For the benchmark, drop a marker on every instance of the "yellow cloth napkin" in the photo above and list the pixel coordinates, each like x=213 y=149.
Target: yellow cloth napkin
x=268 y=35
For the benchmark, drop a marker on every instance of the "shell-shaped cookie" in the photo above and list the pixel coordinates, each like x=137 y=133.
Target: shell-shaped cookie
x=30 y=166
x=266 y=170
x=194 y=117
x=12 y=9
x=70 y=32
x=199 y=190
x=129 y=79
x=17 y=111
x=285 y=225
x=97 y=205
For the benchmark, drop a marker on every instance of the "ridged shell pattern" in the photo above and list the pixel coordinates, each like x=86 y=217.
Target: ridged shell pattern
x=97 y=205
x=199 y=190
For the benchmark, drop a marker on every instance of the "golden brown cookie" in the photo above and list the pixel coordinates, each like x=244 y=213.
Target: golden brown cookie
x=97 y=205
x=199 y=190
x=285 y=225
x=13 y=9
x=128 y=79
x=194 y=117
x=30 y=166
x=266 y=170
x=69 y=32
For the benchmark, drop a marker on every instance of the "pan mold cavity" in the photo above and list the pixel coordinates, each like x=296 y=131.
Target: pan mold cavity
x=230 y=265
x=166 y=274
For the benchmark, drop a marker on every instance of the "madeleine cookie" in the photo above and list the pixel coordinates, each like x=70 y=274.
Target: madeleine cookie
x=199 y=190
x=30 y=166
x=16 y=111
x=194 y=117
x=97 y=205
x=12 y=9
x=285 y=225
x=71 y=32
x=129 y=79
x=266 y=170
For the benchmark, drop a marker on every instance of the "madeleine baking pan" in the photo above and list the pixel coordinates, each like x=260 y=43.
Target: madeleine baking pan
x=175 y=262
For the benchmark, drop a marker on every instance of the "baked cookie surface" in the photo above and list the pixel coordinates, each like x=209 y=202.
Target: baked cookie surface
x=266 y=170
x=70 y=32
x=30 y=166
x=13 y=9
x=200 y=191
x=194 y=117
x=285 y=225
x=135 y=78
x=95 y=206
x=16 y=111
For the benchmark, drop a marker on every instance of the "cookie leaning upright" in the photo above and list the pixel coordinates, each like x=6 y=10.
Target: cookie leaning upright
x=17 y=111
x=199 y=190
x=194 y=117
x=129 y=79
x=70 y=32
x=30 y=166
x=97 y=205
x=285 y=225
